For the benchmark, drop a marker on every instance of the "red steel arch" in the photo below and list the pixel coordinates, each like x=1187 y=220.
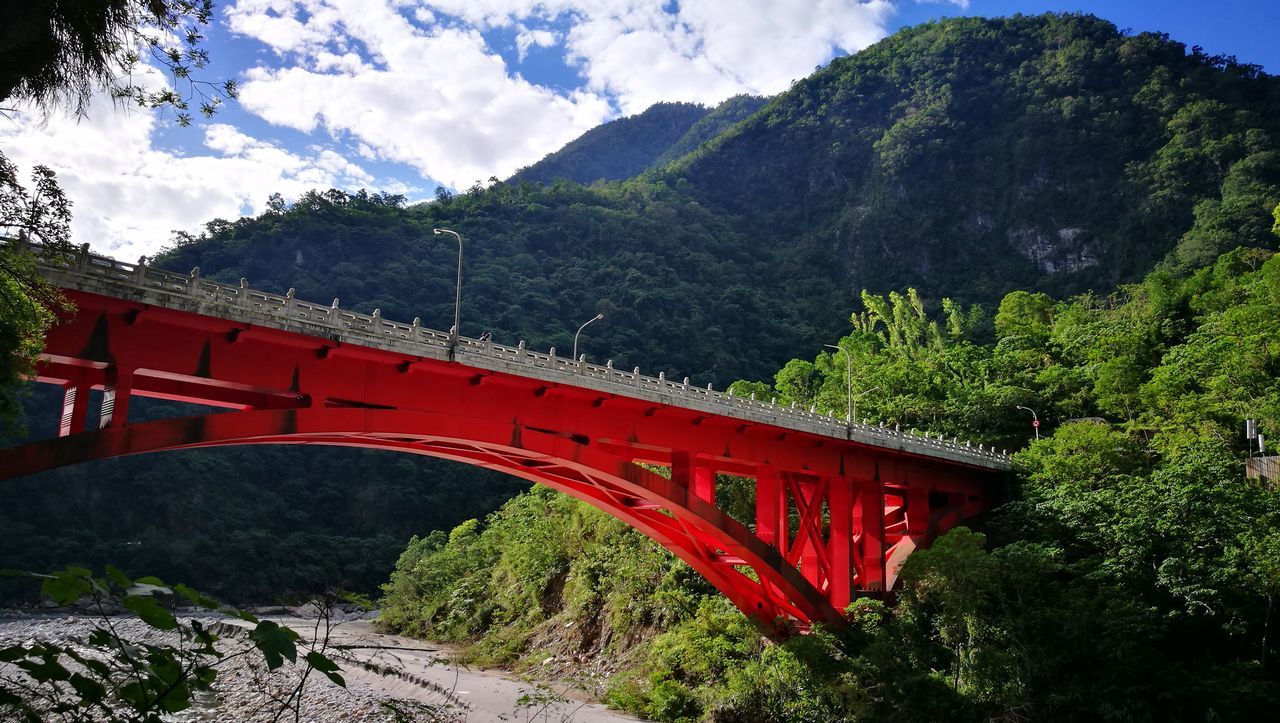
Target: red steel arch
x=833 y=516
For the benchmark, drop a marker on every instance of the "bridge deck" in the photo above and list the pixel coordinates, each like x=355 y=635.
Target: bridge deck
x=192 y=293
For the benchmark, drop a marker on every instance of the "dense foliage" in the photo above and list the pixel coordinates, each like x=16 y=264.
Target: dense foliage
x=1134 y=576
x=716 y=121
x=38 y=213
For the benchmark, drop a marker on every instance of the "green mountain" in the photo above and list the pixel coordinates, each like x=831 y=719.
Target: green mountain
x=967 y=157
x=971 y=156
x=618 y=149
x=626 y=147
x=717 y=121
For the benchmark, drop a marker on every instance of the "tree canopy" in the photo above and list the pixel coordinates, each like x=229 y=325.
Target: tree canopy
x=60 y=53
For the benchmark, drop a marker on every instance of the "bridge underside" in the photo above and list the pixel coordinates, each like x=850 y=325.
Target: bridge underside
x=832 y=517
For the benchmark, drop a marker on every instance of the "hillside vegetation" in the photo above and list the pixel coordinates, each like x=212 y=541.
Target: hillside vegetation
x=1134 y=577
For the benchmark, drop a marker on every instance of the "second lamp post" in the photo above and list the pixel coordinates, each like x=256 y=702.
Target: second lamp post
x=457 y=301
x=597 y=317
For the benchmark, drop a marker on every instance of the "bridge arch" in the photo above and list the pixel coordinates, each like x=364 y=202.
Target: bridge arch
x=751 y=573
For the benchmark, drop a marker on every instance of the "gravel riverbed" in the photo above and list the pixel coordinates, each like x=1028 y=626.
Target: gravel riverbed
x=389 y=678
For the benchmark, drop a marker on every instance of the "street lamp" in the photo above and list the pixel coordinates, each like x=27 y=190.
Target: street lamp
x=848 y=381
x=457 y=300
x=861 y=395
x=1035 y=421
x=597 y=317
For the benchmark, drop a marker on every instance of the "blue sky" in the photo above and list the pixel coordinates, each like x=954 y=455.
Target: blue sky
x=405 y=95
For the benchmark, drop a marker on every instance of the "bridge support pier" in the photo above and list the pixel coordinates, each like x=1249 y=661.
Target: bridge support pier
x=807 y=549
x=75 y=407
x=868 y=527
x=696 y=477
x=771 y=510
x=115 y=397
x=840 y=543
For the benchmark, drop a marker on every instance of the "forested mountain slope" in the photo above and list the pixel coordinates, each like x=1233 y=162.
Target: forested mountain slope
x=719 y=120
x=618 y=149
x=971 y=156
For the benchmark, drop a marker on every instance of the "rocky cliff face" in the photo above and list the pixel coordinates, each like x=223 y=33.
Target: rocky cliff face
x=1064 y=251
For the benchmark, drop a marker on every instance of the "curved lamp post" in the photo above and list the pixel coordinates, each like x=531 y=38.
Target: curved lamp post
x=457 y=301
x=1035 y=421
x=597 y=317
x=861 y=395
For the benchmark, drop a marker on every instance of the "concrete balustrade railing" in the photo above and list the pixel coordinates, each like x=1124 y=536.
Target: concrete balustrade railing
x=89 y=272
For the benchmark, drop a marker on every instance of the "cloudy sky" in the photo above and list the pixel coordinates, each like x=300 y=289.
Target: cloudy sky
x=405 y=95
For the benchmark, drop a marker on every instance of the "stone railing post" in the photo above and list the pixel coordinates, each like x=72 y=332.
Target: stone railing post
x=243 y=295
x=193 y=281
x=140 y=271
x=82 y=259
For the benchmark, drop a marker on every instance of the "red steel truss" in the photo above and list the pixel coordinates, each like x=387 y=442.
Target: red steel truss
x=833 y=517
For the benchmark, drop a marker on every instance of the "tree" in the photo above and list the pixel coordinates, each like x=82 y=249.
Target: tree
x=41 y=215
x=58 y=53
x=797 y=382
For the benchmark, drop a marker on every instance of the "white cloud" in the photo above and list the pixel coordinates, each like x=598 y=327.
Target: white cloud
x=429 y=93
x=709 y=50
x=527 y=38
x=638 y=52
x=128 y=196
x=436 y=98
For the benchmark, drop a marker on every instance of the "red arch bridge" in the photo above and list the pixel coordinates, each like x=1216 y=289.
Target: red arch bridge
x=838 y=506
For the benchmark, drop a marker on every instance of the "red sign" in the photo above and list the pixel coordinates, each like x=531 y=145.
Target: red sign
x=1035 y=422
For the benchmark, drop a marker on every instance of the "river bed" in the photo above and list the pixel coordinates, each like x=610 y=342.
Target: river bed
x=389 y=678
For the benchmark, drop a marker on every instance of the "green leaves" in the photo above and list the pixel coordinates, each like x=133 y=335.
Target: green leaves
x=151 y=612
x=322 y=663
x=68 y=586
x=276 y=643
x=121 y=679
